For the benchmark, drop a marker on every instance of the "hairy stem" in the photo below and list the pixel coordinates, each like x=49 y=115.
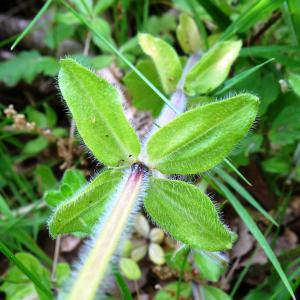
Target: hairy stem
x=107 y=237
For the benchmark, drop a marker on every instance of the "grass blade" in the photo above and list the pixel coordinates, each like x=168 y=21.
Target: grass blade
x=261 y=9
x=253 y=228
x=244 y=193
x=241 y=76
x=236 y=171
x=31 y=24
x=293 y=14
x=119 y=54
x=26 y=271
x=122 y=285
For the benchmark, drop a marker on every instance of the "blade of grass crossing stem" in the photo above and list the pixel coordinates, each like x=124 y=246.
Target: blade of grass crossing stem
x=120 y=55
x=122 y=285
x=241 y=76
x=25 y=270
x=31 y=24
x=253 y=228
x=239 y=188
x=235 y=170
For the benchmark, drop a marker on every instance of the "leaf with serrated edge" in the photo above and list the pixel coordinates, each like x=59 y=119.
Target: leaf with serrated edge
x=165 y=58
x=187 y=214
x=82 y=211
x=97 y=110
x=213 y=68
x=201 y=138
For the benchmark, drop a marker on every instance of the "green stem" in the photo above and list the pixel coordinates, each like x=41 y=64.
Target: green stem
x=107 y=238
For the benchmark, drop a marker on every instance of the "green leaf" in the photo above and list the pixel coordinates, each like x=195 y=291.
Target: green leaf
x=253 y=228
x=294 y=81
x=143 y=97
x=188 y=35
x=249 y=18
x=201 y=138
x=26 y=277
x=213 y=68
x=97 y=110
x=218 y=16
x=209 y=268
x=213 y=293
x=71 y=182
x=130 y=268
x=83 y=210
x=286 y=127
x=294 y=14
x=26 y=65
x=63 y=273
x=169 y=291
x=187 y=214
x=36 y=146
x=165 y=58
x=45 y=177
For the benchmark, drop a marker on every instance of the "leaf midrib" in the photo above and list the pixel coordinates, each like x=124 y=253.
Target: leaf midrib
x=98 y=111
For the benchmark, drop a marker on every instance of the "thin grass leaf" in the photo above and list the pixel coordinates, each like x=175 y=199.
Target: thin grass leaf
x=236 y=171
x=268 y=51
x=253 y=228
x=241 y=76
x=260 y=10
x=119 y=54
x=31 y=24
x=244 y=193
x=122 y=285
x=25 y=270
x=293 y=11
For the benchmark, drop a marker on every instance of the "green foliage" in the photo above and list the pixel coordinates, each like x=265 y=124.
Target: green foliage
x=187 y=214
x=165 y=58
x=142 y=95
x=71 y=182
x=130 y=268
x=188 y=35
x=81 y=211
x=213 y=68
x=213 y=293
x=16 y=284
x=201 y=138
x=26 y=66
x=294 y=81
x=103 y=117
x=169 y=292
x=210 y=268
x=286 y=127
x=247 y=19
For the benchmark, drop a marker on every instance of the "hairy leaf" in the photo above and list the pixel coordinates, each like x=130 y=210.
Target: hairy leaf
x=188 y=35
x=165 y=58
x=82 y=211
x=201 y=138
x=213 y=68
x=97 y=110
x=187 y=214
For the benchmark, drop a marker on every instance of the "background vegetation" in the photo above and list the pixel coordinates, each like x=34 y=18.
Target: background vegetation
x=42 y=158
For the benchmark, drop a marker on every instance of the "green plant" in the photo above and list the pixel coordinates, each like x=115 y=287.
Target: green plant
x=193 y=142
